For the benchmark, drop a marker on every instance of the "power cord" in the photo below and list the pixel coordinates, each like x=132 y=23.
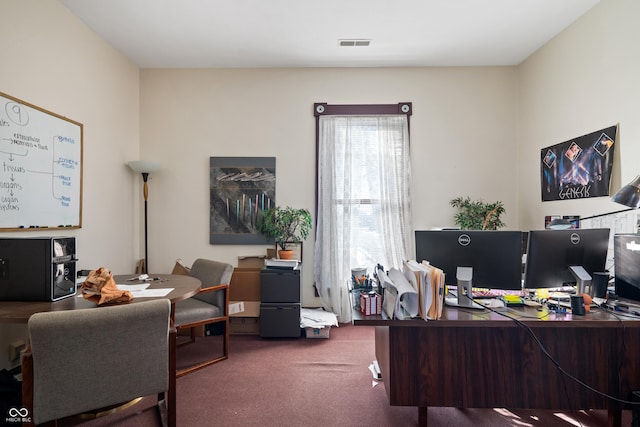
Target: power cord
x=557 y=364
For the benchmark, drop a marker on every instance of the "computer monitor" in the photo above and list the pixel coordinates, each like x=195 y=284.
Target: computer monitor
x=559 y=258
x=626 y=256
x=484 y=259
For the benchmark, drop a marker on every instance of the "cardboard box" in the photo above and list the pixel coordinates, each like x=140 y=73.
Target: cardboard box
x=244 y=326
x=245 y=322
x=245 y=284
x=251 y=309
x=251 y=261
x=317 y=332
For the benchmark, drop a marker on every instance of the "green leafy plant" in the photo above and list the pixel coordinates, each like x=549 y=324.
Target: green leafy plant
x=285 y=225
x=477 y=215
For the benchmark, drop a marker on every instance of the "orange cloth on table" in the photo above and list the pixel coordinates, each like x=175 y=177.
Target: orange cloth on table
x=100 y=288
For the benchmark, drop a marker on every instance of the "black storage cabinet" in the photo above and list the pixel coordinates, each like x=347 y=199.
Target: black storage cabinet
x=279 y=303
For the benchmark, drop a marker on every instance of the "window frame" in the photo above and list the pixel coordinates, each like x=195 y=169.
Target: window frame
x=325 y=109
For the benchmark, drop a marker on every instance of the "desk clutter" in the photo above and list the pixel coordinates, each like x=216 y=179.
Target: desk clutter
x=364 y=294
x=557 y=270
x=419 y=291
x=415 y=291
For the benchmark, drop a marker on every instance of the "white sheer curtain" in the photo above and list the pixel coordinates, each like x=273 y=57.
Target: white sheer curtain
x=364 y=215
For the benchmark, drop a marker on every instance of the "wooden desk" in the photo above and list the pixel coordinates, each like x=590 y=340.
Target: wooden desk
x=183 y=287
x=479 y=359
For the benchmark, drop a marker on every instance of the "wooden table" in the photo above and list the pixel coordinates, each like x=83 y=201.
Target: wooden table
x=183 y=287
x=480 y=359
x=19 y=311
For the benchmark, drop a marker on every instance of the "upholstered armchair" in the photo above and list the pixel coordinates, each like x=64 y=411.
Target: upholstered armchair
x=81 y=361
x=209 y=306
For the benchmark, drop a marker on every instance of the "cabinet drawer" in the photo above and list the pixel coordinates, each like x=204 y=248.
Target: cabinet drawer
x=280 y=286
x=280 y=320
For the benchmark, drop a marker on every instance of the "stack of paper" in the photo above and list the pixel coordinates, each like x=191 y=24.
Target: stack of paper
x=429 y=282
x=286 y=264
x=400 y=297
x=317 y=318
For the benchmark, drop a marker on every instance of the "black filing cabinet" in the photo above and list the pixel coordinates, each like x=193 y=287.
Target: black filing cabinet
x=279 y=303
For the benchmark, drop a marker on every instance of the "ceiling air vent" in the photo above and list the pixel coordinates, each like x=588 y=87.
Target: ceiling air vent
x=354 y=42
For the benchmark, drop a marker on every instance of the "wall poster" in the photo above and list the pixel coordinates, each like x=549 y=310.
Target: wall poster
x=579 y=168
x=241 y=188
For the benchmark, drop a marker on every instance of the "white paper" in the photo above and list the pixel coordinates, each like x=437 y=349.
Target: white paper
x=317 y=318
x=150 y=293
x=155 y=293
x=133 y=288
x=407 y=295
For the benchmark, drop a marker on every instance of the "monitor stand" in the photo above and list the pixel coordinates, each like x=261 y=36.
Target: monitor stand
x=464 y=276
x=583 y=279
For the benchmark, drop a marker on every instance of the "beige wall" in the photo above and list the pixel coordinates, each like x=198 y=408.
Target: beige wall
x=462 y=142
x=52 y=60
x=583 y=80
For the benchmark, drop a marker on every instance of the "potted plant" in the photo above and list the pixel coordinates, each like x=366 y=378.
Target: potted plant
x=286 y=225
x=477 y=215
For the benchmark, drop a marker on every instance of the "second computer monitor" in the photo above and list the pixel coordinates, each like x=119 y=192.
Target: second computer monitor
x=551 y=253
x=626 y=249
x=494 y=256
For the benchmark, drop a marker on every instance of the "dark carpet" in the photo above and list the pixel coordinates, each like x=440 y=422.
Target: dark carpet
x=314 y=382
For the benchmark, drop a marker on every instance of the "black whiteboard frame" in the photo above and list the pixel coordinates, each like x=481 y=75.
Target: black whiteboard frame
x=80 y=126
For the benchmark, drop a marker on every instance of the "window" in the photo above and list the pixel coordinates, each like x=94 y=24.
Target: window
x=363 y=211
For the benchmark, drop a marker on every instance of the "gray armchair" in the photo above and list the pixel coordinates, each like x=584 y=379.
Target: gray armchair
x=89 y=359
x=209 y=306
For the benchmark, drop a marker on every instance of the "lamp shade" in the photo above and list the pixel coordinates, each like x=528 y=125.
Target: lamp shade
x=143 y=166
x=629 y=195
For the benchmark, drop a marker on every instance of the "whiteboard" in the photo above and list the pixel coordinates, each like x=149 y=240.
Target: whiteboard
x=40 y=168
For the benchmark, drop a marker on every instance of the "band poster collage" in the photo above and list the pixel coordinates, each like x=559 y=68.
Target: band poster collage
x=579 y=168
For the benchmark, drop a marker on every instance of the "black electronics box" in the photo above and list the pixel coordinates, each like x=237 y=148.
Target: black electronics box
x=37 y=268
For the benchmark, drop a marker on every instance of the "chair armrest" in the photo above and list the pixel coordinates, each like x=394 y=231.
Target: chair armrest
x=223 y=286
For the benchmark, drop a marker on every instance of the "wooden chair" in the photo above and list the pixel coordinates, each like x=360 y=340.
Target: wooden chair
x=209 y=306
x=80 y=361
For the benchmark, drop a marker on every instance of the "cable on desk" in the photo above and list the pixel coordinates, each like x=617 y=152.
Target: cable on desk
x=557 y=365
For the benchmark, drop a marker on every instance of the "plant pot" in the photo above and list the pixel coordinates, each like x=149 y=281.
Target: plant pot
x=285 y=254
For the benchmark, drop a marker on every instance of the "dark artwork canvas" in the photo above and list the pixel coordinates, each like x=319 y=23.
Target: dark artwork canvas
x=241 y=189
x=579 y=168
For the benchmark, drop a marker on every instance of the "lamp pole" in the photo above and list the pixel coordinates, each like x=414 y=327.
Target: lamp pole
x=145 y=168
x=145 y=176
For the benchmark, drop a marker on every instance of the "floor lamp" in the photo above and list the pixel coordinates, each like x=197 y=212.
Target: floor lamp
x=629 y=195
x=145 y=168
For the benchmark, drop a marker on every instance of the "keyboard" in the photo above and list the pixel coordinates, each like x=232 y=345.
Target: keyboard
x=480 y=293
